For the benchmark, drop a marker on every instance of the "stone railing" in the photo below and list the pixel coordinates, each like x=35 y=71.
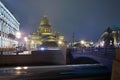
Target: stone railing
x=7 y=50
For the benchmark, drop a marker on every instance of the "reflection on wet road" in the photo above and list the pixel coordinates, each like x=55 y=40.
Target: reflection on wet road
x=96 y=71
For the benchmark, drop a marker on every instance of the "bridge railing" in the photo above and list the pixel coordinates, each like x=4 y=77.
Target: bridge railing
x=108 y=52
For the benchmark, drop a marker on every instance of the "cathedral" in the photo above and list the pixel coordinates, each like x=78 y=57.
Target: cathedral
x=44 y=33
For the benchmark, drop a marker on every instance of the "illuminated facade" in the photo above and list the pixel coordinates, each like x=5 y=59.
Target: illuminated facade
x=45 y=27
x=111 y=36
x=8 y=28
x=44 y=33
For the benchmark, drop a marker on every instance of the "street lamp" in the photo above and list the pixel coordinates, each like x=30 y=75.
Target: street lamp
x=25 y=39
x=102 y=43
x=82 y=43
x=18 y=36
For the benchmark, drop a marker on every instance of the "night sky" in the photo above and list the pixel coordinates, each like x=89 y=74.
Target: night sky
x=86 y=18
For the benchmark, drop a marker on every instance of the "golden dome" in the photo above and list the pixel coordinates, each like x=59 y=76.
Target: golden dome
x=45 y=21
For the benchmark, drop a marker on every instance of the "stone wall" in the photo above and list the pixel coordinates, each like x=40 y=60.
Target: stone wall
x=116 y=66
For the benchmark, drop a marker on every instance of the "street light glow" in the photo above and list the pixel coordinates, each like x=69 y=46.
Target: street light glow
x=102 y=43
x=82 y=42
x=26 y=39
x=18 y=34
x=60 y=42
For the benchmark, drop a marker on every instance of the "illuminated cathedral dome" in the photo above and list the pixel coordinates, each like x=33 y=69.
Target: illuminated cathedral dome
x=45 y=26
x=45 y=22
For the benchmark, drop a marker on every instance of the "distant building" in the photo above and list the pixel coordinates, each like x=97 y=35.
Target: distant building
x=110 y=37
x=8 y=28
x=44 y=33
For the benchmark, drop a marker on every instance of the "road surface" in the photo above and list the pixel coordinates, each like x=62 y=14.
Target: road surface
x=57 y=72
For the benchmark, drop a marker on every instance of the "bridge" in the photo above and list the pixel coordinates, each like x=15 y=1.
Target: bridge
x=89 y=63
x=103 y=56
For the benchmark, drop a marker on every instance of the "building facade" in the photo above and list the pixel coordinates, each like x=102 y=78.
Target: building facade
x=8 y=28
x=44 y=33
x=111 y=36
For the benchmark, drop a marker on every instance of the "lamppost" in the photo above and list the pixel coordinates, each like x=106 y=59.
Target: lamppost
x=25 y=39
x=18 y=36
x=82 y=44
x=60 y=43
